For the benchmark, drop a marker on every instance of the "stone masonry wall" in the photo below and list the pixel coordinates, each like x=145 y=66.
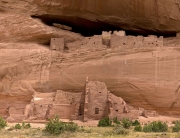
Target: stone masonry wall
x=97 y=102
x=116 y=40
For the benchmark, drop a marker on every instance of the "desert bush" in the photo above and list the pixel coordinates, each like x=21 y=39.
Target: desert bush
x=147 y=128
x=71 y=126
x=120 y=130
x=3 y=123
x=156 y=126
x=23 y=126
x=26 y=126
x=116 y=121
x=159 y=126
x=55 y=126
x=176 y=122
x=176 y=127
x=18 y=126
x=138 y=128
x=105 y=122
x=136 y=123
x=126 y=122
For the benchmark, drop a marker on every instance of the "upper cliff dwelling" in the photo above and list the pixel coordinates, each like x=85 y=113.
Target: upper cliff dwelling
x=115 y=40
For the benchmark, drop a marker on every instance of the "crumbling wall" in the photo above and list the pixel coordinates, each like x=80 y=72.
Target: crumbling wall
x=118 y=108
x=74 y=45
x=106 y=38
x=66 y=105
x=93 y=41
x=149 y=41
x=116 y=40
x=139 y=41
x=87 y=42
x=63 y=104
x=57 y=44
x=64 y=111
x=15 y=114
x=119 y=41
x=120 y=33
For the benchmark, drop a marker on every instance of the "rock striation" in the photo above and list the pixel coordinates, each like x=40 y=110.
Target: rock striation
x=90 y=16
x=150 y=16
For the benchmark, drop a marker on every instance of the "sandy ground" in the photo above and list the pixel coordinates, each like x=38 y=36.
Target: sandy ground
x=41 y=123
x=166 y=119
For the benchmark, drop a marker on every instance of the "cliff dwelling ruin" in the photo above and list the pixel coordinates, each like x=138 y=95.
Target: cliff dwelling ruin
x=93 y=103
x=116 y=40
x=48 y=48
x=51 y=82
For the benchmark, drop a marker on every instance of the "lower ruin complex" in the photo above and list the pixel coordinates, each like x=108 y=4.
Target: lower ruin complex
x=93 y=103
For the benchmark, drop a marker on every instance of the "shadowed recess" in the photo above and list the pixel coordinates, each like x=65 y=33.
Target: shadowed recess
x=90 y=28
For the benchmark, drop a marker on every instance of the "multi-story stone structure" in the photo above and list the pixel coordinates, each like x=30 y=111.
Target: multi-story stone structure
x=93 y=103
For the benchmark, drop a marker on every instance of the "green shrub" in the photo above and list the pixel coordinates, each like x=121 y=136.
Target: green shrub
x=159 y=126
x=105 y=122
x=71 y=126
x=18 y=126
x=136 y=123
x=176 y=127
x=126 y=122
x=147 y=128
x=27 y=126
x=2 y=123
x=55 y=126
x=176 y=122
x=23 y=126
x=138 y=128
x=120 y=130
x=116 y=121
x=156 y=126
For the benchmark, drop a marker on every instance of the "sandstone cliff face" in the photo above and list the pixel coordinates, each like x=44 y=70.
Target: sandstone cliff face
x=145 y=77
x=158 y=16
x=150 y=16
x=17 y=25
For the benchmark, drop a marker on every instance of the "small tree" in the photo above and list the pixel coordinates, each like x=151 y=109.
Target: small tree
x=3 y=123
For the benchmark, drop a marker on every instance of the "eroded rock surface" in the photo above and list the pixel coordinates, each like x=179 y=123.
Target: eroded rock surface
x=150 y=16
